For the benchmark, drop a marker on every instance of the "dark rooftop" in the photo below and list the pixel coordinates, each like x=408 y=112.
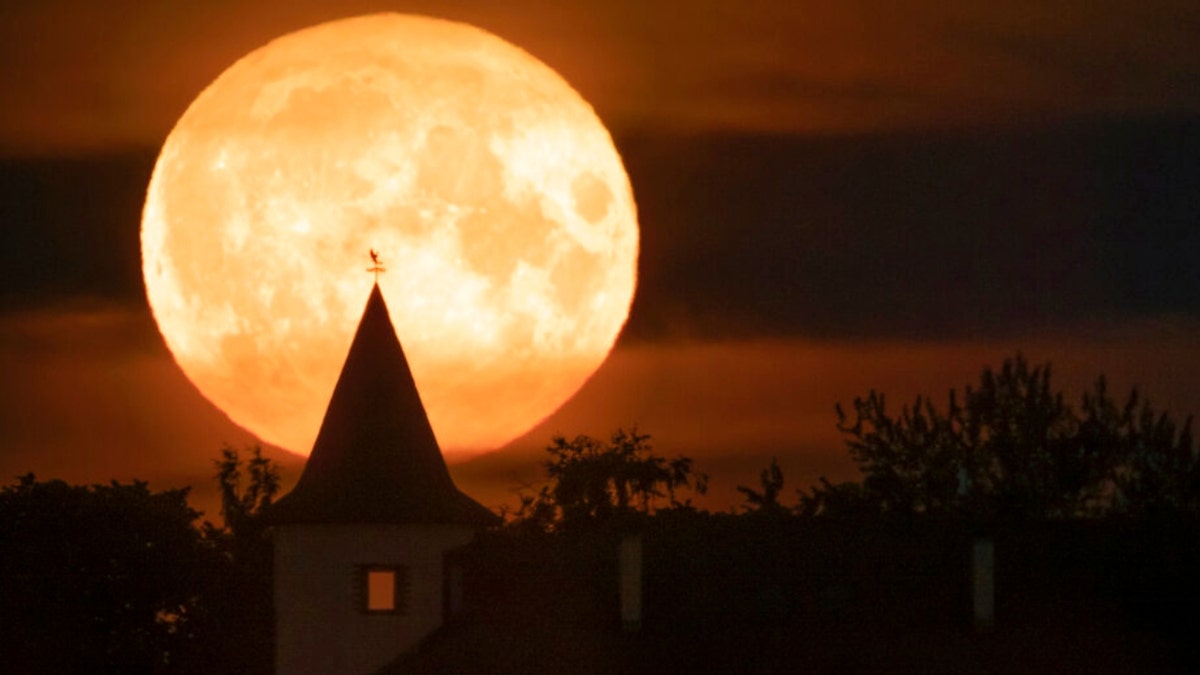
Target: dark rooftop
x=376 y=459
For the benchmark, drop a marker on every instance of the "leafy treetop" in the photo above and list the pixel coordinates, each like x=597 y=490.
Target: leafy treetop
x=1014 y=448
x=593 y=482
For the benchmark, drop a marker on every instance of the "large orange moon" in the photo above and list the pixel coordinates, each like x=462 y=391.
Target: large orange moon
x=489 y=187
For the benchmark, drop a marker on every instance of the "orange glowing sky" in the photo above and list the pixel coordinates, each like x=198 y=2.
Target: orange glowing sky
x=833 y=197
x=79 y=74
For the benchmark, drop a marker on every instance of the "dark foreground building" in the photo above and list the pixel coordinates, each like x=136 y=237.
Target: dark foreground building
x=361 y=542
x=736 y=594
x=382 y=565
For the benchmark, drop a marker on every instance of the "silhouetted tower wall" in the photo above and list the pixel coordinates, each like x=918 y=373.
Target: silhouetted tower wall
x=323 y=622
x=360 y=543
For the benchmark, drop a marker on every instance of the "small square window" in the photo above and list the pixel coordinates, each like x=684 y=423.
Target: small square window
x=384 y=589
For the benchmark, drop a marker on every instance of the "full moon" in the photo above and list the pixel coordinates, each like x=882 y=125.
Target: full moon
x=490 y=189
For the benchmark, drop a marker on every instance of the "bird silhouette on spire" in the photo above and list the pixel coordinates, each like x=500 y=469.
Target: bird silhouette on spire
x=376 y=265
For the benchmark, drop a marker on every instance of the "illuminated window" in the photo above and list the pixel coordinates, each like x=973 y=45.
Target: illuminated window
x=384 y=589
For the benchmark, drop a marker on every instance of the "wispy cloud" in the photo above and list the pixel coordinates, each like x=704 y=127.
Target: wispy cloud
x=76 y=74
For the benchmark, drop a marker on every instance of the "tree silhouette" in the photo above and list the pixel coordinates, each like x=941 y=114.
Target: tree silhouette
x=101 y=578
x=1160 y=474
x=1013 y=448
x=243 y=505
x=240 y=596
x=119 y=578
x=766 y=503
x=593 y=482
x=847 y=499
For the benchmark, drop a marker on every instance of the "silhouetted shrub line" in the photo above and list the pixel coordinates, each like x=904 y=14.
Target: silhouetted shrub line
x=1009 y=449
x=119 y=579
x=1095 y=505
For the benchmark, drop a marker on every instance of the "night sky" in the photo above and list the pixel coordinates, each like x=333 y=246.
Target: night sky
x=831 y=199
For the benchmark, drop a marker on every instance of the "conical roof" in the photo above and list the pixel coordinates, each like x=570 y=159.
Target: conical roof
x=376 y=459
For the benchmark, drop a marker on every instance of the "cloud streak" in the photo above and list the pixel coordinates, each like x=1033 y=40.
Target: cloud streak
x=79 y=75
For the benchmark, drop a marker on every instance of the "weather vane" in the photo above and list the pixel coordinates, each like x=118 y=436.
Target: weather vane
x=376 y=266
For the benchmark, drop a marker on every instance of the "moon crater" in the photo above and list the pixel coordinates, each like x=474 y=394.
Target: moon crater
x=490 y=187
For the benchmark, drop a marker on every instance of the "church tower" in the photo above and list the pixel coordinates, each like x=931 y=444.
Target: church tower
x=360 y=542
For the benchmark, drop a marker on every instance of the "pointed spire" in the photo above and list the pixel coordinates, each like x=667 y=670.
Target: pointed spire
x=376 y=459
